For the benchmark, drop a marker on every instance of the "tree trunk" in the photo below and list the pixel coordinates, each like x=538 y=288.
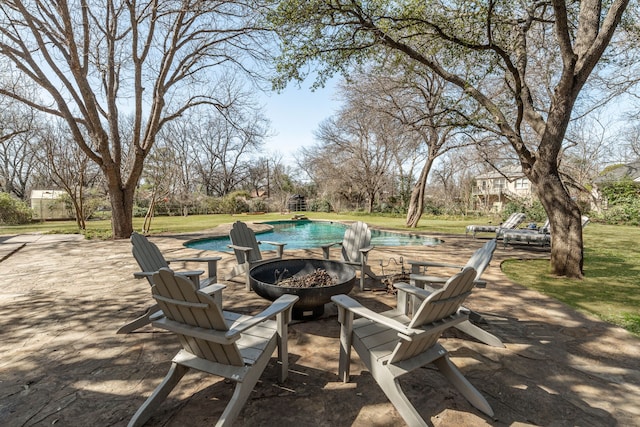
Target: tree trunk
x=566 y=224
x=372 y=198
x=416 y=204
x=121 y=211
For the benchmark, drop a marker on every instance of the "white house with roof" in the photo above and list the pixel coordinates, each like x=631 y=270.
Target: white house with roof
x=494 y=189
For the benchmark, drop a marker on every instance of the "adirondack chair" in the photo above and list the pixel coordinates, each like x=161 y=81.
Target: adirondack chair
x=226 y=344
x=355 y=248
x=514 y=220
x=392 y=344
x=150 y=260
x=246 y=248
x=479 y=261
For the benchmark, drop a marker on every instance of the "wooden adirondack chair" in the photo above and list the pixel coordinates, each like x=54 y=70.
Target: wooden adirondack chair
x=150 y=260
x=246 y=247
x=225 y=344
x=355 y=248
x=392 y=344
x=479 y=261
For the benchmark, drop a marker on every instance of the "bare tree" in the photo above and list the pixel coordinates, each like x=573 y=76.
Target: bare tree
x=585 y=153
x=94 y=60
x=431 y=120
x=159 y=177
x=359 y=146
x=17 y=147
x=225 y=143
x=69 y=168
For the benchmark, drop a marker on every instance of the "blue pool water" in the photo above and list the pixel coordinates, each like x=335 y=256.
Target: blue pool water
x=313 y=234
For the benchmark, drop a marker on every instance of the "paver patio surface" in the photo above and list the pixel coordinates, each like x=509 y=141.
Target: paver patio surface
x=61 y=363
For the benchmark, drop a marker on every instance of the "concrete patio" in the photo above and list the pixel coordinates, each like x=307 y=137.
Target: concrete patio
x=62 y=299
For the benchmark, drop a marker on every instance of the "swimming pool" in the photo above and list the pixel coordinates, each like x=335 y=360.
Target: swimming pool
x=313 y=234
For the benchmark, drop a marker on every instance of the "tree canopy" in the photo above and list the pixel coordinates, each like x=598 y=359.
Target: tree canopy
x=524 y=63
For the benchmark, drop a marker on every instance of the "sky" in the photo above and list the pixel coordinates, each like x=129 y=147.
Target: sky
x=295 y=115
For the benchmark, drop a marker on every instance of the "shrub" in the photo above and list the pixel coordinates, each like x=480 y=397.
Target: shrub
x=258 y=205
x=13 y=211
x=235 y=203
x=320 y=205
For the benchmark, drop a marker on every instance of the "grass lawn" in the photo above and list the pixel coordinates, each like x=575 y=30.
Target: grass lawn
x=610 y=289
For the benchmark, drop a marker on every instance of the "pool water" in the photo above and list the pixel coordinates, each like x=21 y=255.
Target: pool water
x=311 y=235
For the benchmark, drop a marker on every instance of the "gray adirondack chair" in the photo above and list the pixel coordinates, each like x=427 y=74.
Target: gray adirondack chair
x=355 y=248
x=514 y=220
x=420 y=276
x=392 y=344
x=246 y=248
x=226 y=344
x=150 y=260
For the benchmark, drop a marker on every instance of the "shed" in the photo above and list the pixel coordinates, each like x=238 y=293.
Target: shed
x=49 y=204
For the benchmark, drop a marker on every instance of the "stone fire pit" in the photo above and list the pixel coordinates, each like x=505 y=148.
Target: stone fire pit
x=264 y=279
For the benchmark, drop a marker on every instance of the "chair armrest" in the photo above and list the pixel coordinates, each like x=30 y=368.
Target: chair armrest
x=240 y=248
x=272 y=243
x=143 y=274
x=245 y=253
x=204 y=259
x=326 y=247
x=433 y=264
x=347 y=303
x=279 y=246
x=283 y=303
x=189 y=273
x=366 y=250
x=215 y=291
x=212 y=263
x=412 y=290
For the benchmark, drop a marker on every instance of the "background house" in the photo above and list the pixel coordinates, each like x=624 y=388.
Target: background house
x=494 y=189
x=613 y=174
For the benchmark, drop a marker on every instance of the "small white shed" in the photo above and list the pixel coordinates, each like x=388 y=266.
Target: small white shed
x=49 y=204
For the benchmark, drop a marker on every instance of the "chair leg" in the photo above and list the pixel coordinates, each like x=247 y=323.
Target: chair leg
x=247 y=280
x=345 y=317
x=242 y=391
x=365 y=270
x=453 y=374
x=391 y=388
x=176 y=372
x=479 y=334
x=236 y=271
x=140 y=321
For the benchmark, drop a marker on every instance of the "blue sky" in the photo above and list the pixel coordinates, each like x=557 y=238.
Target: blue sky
x=295 y=115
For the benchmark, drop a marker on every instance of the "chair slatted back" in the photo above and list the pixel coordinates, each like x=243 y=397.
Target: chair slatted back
x=356 y=237
x=439 y=306
x=482 y=257
x=546 y=227
x=182 y=302
x=147 y=254
x=242 y=235
x=514 y=220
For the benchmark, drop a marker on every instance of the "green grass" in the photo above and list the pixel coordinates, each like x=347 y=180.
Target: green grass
x=611 y=286
x=610 y=289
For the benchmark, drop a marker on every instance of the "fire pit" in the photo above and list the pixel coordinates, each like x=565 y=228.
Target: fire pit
x=264 y=279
